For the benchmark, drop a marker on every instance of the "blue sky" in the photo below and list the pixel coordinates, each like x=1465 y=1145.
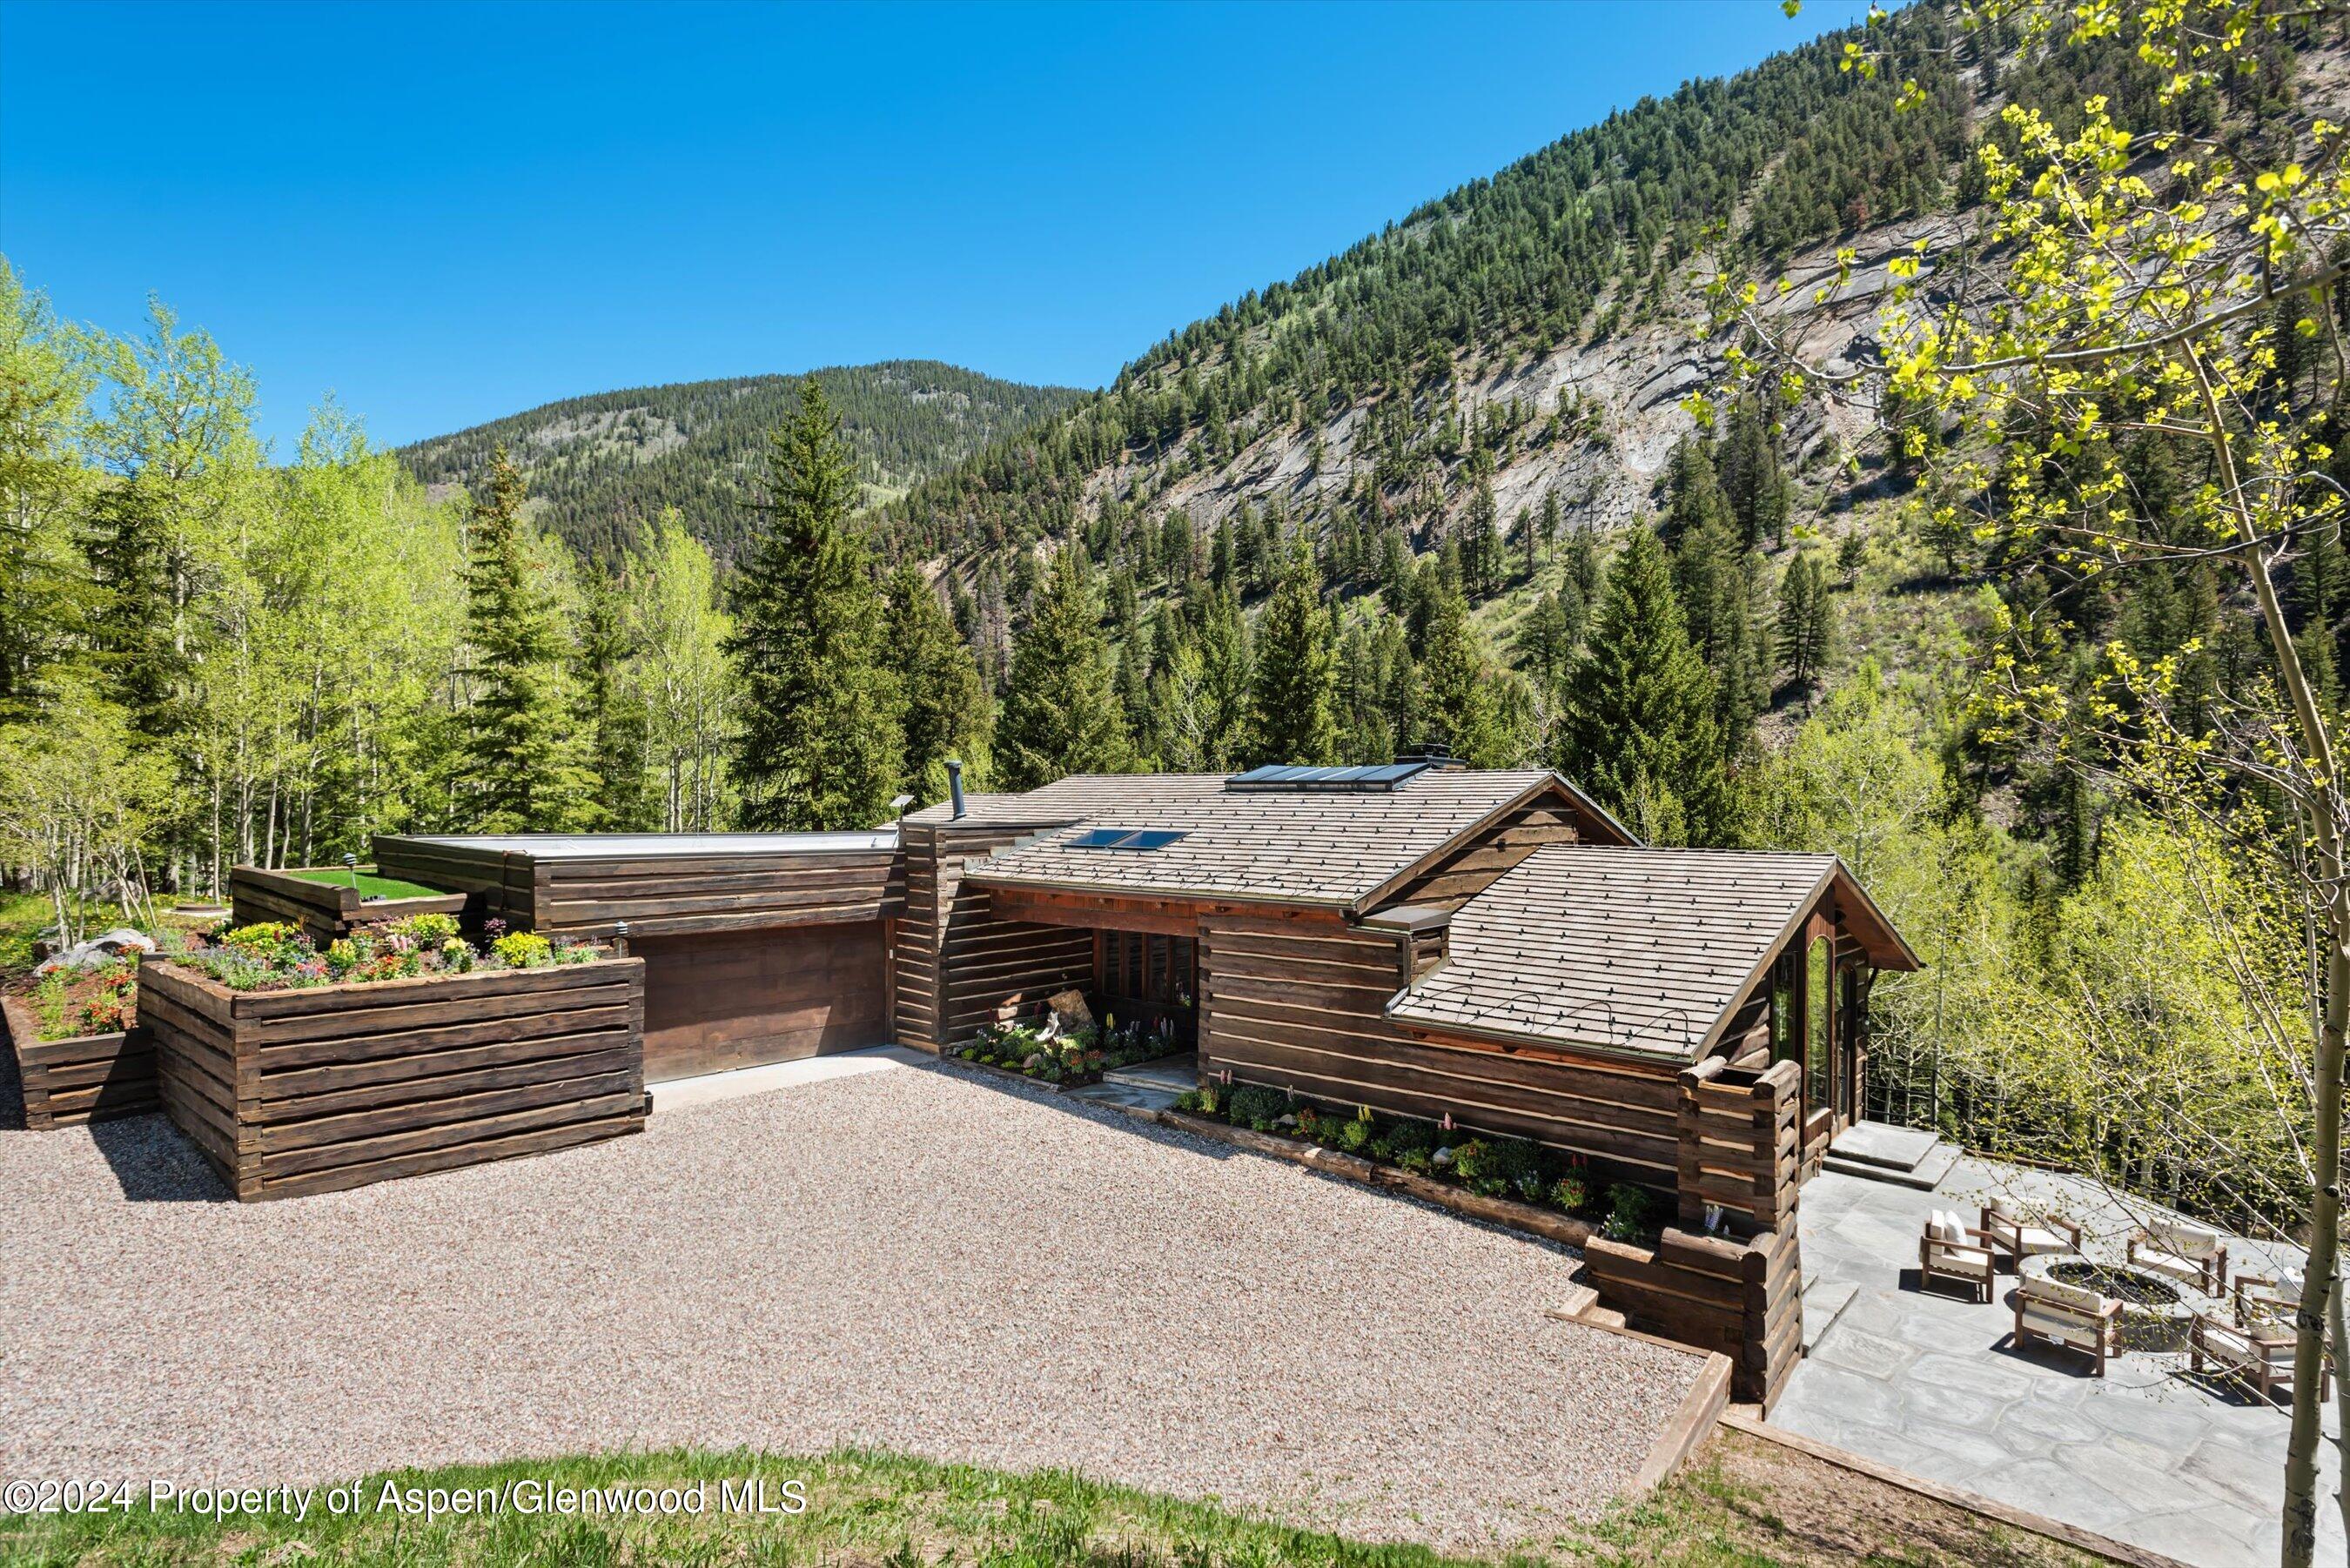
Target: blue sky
x=447 y=213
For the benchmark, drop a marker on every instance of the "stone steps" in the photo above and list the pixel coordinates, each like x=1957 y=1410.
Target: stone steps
x=1905 y=1157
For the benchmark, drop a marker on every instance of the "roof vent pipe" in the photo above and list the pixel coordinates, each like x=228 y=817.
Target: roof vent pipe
x=955 y=785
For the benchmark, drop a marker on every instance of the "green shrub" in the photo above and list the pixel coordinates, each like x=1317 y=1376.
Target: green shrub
x=426 y=931
x=1416 y=1160
x=457 y=955
x=1406 y=1135
x=523 y=949
x=1499 y=1167
x=1254 y=1105
x=1570 y=1194
x=1355 y=1135
x=1518 y=1162
x=1189 y=1103
x=1628 y=1212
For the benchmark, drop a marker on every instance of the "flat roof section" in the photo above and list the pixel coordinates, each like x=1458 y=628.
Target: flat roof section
x=647 y=846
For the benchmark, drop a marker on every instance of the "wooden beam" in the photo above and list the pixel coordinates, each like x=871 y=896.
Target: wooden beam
x=1160 y=917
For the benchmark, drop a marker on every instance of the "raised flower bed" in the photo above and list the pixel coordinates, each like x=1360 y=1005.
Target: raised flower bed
x=81 y=1054
x=1508 y=1175
x=1069 y=1060
x=327 y=902
x=391 y=1054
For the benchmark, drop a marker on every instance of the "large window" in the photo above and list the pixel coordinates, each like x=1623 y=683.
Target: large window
x=1786 y=1016
x=1819 y=1024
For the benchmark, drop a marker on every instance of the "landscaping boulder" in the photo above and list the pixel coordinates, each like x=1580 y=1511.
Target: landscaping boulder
x=99 y=950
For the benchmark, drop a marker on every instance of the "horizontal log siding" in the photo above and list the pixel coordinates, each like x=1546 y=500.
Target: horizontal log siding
x=499 y=889
x=663 y=895
x=914 y=1002
x=958 y=964
x=1738 y=1137
x=659 y=895
x=313 y=1090
x=1469 y=870
x=86 y=1078
x=1743 y=1299
x=1299 y=1005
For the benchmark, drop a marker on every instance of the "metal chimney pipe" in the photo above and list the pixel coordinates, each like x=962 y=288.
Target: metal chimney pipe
x=955 y=785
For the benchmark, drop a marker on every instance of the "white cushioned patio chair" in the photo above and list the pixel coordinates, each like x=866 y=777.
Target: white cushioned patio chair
x=2015 y=1235
x=2262 y=1299
x=1953 y=1250
x=2185 y=1250
x=2259 y=1357
x=2075 y=1316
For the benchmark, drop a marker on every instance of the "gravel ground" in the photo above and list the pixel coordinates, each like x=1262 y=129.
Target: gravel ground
x=913 y=1259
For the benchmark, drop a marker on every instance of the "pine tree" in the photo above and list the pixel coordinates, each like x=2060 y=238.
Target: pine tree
x=610 y=716
x=1292 y=693
x=944 y=709
x=1585 y=566
x=1751 y=479
x=1456 y=687
x=1718 y=583
x=1481 y=545
x=1061 y=715
x=1638 y=729
x=521 y=758
x=1806 y=620
x=818 y=743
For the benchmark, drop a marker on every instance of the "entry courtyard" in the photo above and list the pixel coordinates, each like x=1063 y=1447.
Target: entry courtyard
x=896 y=1254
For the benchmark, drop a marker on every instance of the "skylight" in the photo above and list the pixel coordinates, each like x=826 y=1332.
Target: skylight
x=1386 y=776
x=1125 y=839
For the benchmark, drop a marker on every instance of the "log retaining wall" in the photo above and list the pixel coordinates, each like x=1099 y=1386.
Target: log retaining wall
x=312 y=1090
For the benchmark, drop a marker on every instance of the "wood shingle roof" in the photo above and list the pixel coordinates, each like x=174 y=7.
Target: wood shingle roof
x=1632 y=950
x=1297 y=847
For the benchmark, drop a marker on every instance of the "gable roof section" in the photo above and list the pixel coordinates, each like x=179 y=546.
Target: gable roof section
x=1332 y=849
x=1642 y=951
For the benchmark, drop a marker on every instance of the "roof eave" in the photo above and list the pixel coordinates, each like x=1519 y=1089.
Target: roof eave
x=1533 y=1037
x=978 y=877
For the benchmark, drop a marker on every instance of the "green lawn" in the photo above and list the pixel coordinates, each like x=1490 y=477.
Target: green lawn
x=1739 y=1506
x=370 y=884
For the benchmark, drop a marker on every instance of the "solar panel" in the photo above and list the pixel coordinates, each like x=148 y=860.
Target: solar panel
x=1125 y=839
x=1385 y=776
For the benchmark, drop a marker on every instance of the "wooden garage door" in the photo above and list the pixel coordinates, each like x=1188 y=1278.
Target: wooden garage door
x=738 y=999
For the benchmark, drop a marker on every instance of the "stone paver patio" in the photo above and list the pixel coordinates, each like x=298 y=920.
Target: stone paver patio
x=1927 y=1381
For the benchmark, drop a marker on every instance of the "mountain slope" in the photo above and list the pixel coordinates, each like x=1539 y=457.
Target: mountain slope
x=601 y=465
x=1541 y=316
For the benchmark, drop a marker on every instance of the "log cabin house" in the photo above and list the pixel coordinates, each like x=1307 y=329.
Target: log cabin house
x=1420 y=938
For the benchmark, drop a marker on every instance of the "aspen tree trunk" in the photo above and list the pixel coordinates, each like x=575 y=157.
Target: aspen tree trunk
x=2300 y=1542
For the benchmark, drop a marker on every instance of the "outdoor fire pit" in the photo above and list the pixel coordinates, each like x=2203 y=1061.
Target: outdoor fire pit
x=2158 y=1312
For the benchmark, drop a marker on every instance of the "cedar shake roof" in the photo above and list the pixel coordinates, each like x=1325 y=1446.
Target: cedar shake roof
x=1321 y=847
x=1639 y=951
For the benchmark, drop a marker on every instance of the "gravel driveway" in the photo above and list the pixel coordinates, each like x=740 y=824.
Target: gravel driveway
x=911 y=1258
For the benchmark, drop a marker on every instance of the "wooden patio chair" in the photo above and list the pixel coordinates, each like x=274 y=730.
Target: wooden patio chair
x=2263 y=1299
x=2015 y=1235
x=2185 y=1250
x=2258 y=1356
x=2072 y=1316
x=1953 y=1250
